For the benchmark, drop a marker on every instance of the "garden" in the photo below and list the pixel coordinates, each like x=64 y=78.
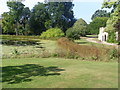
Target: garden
x=38 y=63
x=46 y=47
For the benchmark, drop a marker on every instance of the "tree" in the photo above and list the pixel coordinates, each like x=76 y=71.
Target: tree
x=16 y=20
x=61 y=14
x=15 y=13
x=7 y=23
x=113 y=23
x=100 y=13
x=38 y=17
x=24 y=20
x=81 y=26
x=79 y=29
x=98 y=22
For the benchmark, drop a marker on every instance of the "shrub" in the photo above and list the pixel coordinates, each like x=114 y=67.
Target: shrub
x=52 y=33
x=80 y=26
x=73 y=34
x=79 y=29
x=111 y=37
x=113 y=53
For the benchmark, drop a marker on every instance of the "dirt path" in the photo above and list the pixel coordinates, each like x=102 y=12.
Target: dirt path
x=100 y=42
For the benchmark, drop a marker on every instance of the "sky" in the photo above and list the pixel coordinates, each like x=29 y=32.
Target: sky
x=82 y=8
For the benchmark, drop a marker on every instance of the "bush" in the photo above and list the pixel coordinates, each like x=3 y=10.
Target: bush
x=80 y=26
x=52 y=33
x=111 y=37
x=113 y=53
x=73 y=34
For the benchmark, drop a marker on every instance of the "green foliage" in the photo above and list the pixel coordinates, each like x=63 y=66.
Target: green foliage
x=79 y=29
x=38 y=17
x=51 y=15
x=80 y=26
x=21 y=21
x=52 y=33
x=111 y=37
x=16 y=20
x=113 y=23
x=110 y=4
x=61 y=14
x=100 y=13
x=113 y=53
x=72 y=33
x=98 y=22
x=15 y=12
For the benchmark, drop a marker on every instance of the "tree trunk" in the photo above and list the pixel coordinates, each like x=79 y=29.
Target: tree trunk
x=16 y=29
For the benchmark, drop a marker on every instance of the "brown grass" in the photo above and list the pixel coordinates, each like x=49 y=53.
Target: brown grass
x=83 y=51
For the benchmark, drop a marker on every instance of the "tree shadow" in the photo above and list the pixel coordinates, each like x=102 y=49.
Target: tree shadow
x=22 y=73
x=20 y=42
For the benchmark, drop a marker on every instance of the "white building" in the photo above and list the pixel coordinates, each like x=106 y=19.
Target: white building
x=103 y=36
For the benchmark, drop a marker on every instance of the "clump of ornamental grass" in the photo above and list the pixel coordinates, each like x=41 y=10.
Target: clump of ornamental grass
x=68 y=48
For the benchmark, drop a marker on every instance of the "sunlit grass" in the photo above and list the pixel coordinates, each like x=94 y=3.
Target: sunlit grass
x=65 y=73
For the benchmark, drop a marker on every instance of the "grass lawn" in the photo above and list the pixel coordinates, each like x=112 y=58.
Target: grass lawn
x=48 y=45
x=92 y=36
x=83 y=41
x=58 y=73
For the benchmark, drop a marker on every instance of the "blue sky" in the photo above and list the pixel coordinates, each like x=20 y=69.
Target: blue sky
x=82 y=8
x=86 y=9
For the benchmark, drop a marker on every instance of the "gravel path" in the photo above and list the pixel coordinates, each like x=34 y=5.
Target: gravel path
x=100 y=42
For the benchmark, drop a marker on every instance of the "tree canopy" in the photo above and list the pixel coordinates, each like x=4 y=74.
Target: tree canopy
x=20 y=20
x=79 y=29
x=100 y=13
x=98 y=22
x=113 y=23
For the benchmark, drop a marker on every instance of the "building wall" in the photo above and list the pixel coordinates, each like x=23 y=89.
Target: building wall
x=103 y=36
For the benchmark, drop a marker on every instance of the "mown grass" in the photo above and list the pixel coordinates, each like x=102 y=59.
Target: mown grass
x=83 y=41
x=92 y=36
x=58 y=73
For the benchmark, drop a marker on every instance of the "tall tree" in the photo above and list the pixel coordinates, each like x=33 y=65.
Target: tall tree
x=8 y=25
x=100 y=13
x=24 y=20
x=15 y=11
x=98 y=22
x=38 y=17
x=114 y=20
x=79 y=29
x=81 y=26
x=61 y=14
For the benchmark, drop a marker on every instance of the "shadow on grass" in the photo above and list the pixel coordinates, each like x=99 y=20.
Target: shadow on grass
x=22 y=73
x=20 y=42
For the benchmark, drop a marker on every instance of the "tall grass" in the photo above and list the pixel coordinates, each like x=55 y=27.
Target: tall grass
x=72 y=50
